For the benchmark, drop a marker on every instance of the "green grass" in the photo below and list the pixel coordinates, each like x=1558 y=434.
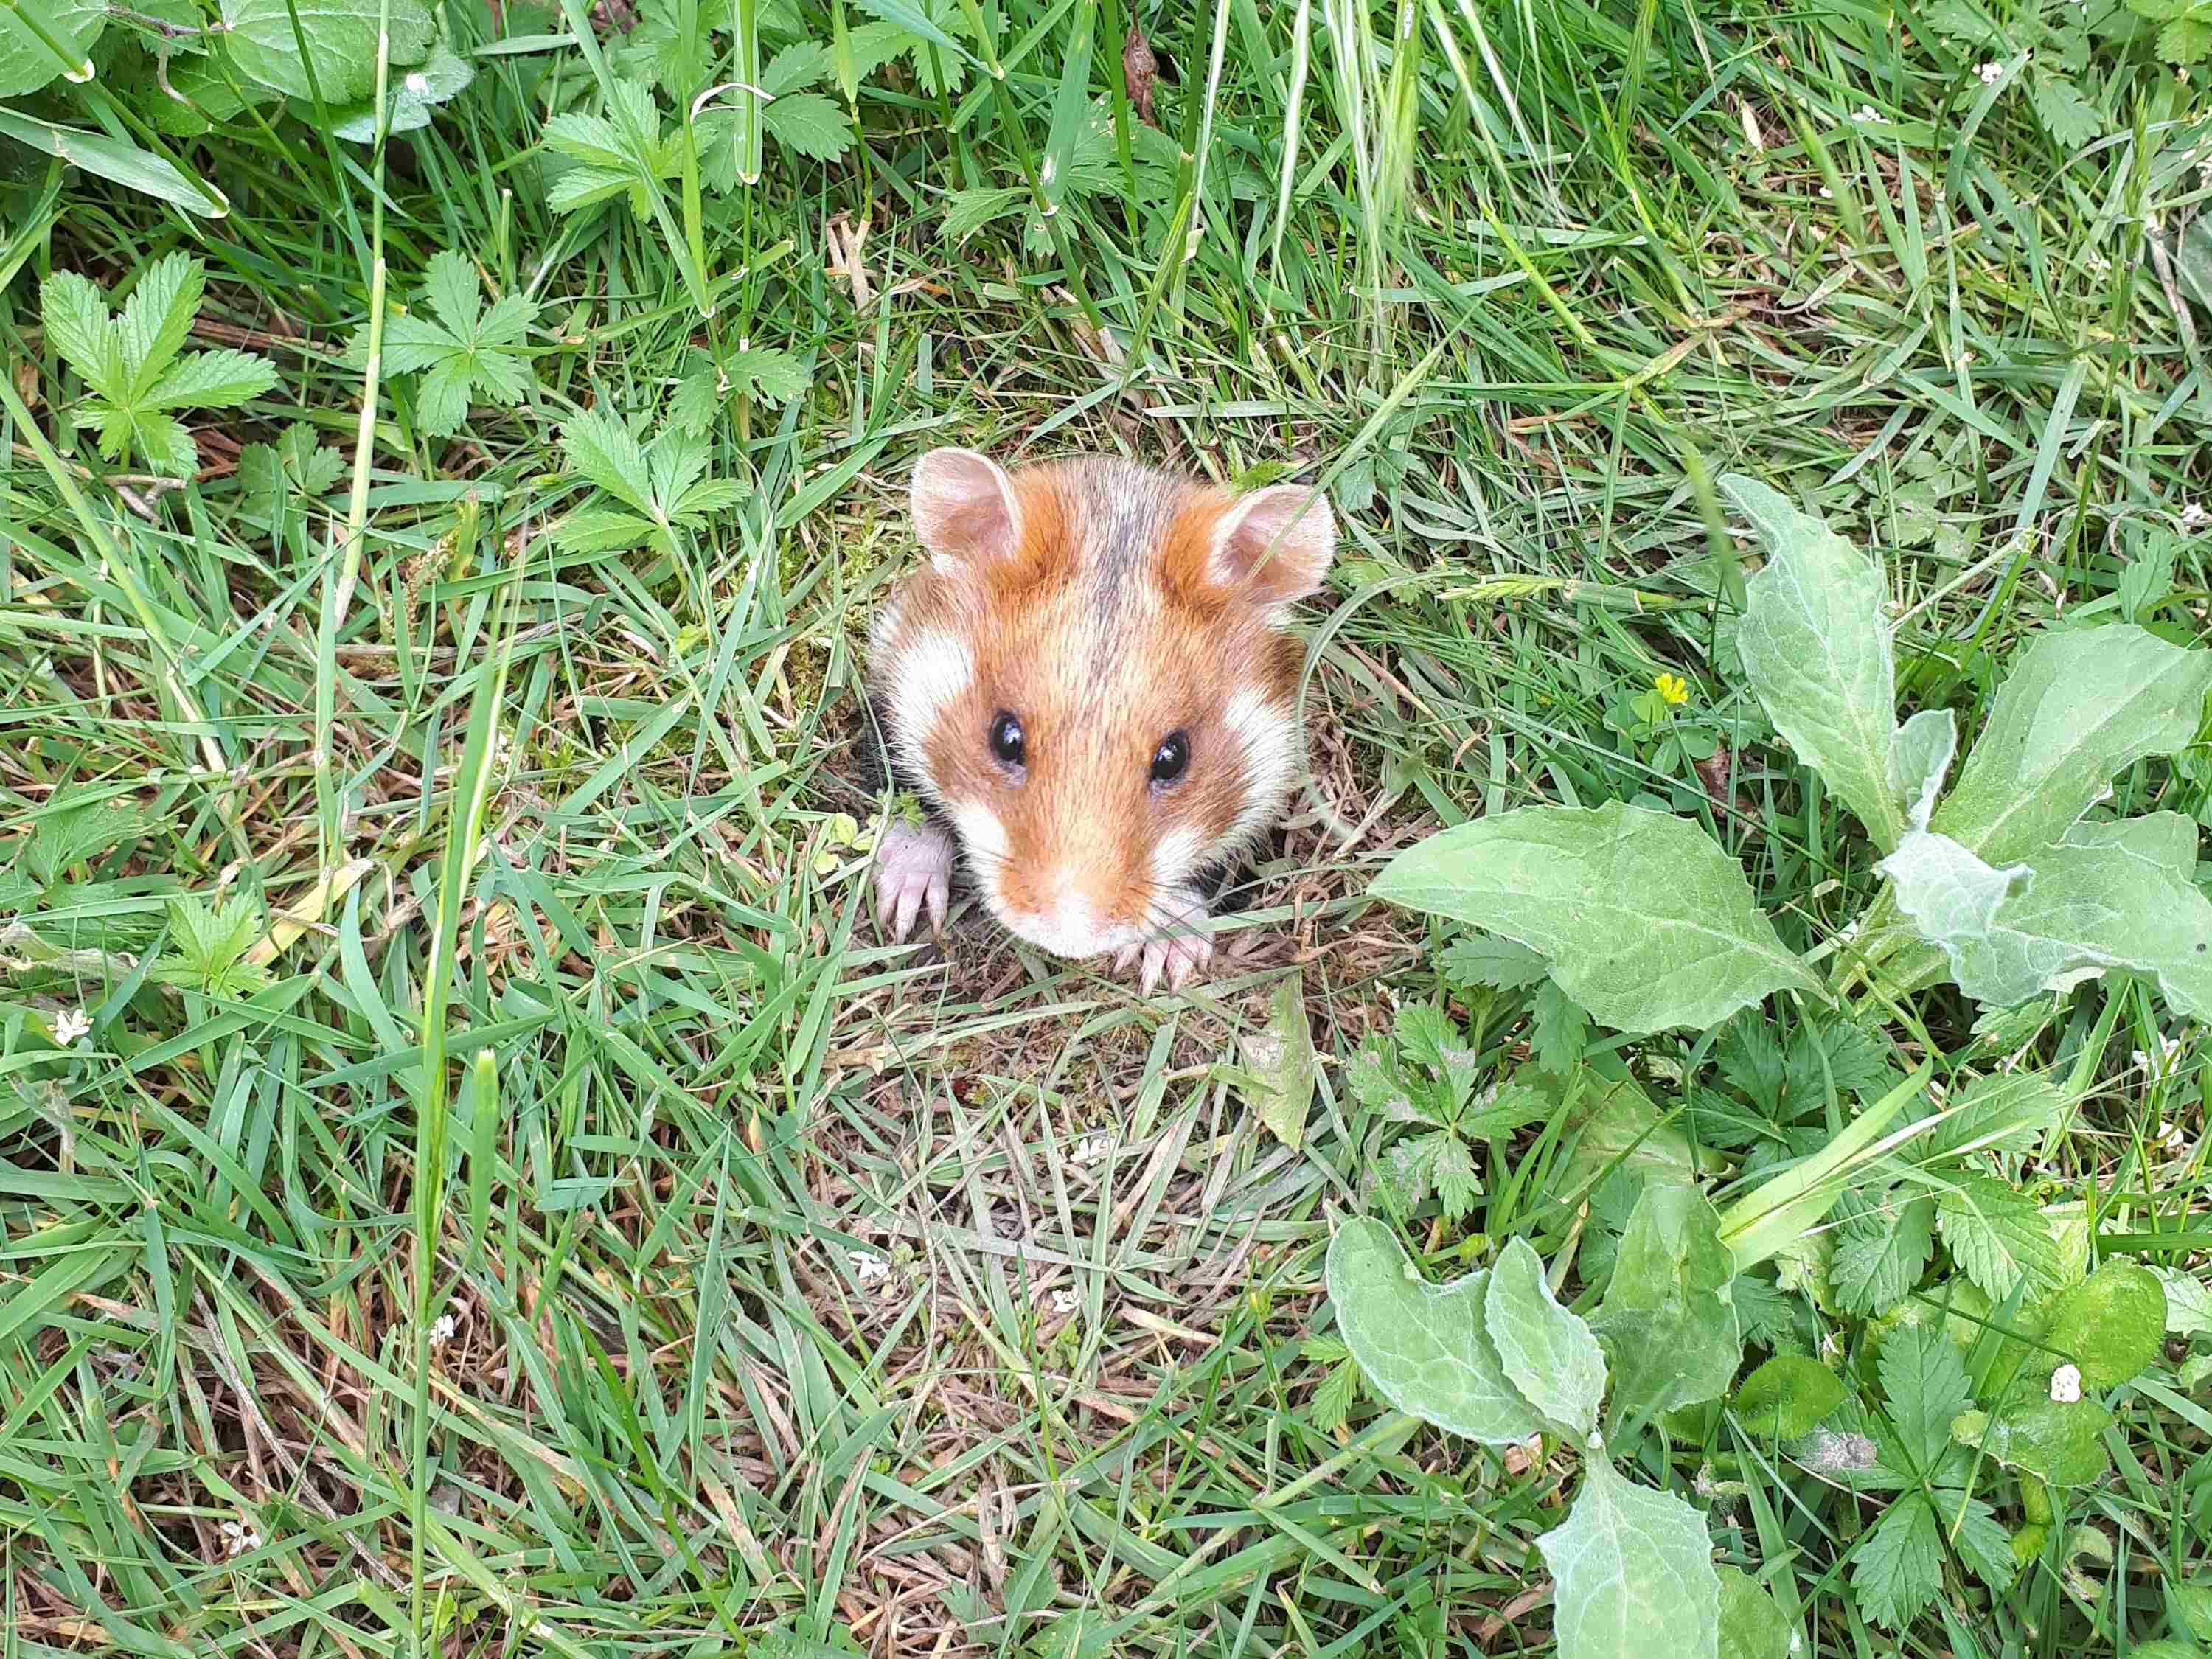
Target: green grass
x=321 y=1335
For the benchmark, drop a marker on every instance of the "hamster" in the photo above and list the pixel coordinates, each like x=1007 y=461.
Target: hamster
x=1092 y=688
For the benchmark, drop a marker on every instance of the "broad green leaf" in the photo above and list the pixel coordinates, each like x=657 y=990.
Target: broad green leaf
x=2078 y=707
x=213 y=379
x=1280 y=1058
x=2059 y=1442
x=1669 y=1329
x=2003 y=1112
x=1548 y=1353
x=75 y=313
x=415 y=91
x=1997 y=1234
x=1815 y=646
x=156 y=321
x=1634 y=1573
x=115 y=161
x=1787 y=1396
x=1752 y=1625
x=340 y=37
x=2112 y=1324
x=1616 y=1126
x=2109 y=895
x=1646 y=921
x=606 y=453
x=1881 y=1254
x=1920 y=760
x=809 y=124
x=27 y=64
x=1423 y=1346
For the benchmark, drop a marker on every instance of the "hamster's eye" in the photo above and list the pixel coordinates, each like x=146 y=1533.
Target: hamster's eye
x=1171 y=759
x=1006 y=739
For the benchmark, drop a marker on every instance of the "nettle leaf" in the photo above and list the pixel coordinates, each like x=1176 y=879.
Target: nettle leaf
x=1997 y=1236
x=1646 y=921
x=341 y=43
x=2112 y=1324
x=1478 y=959
x=1667 y=1323
x=27 y=64
x=1816 y=645
x=1898 y=1568
x=2003 y=1112
x=1423 y=1346
x=1634 y=1572
x=1548 y=1353
x=2106 y=896
x=2078 y=708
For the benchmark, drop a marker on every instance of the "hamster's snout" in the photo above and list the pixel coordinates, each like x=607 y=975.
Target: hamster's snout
x=1054 y=912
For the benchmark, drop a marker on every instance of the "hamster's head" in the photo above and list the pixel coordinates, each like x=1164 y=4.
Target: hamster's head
x=1091 y=677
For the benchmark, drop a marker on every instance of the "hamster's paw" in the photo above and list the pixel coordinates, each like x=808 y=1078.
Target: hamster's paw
x=914 y=871
x=1176 y=953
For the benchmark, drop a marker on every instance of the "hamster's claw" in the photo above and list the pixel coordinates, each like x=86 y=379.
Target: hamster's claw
x=1175 y=955
x=913 y=874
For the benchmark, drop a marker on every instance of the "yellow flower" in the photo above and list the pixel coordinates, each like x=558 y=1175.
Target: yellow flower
x=1671 y=688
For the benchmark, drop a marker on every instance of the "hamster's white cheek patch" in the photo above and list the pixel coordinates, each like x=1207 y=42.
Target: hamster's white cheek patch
x=1175 y=852
x=931 y=674
x=985 y=839
x=1269 y=737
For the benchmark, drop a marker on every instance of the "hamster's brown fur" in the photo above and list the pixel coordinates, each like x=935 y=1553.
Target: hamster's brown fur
x=1108 y=609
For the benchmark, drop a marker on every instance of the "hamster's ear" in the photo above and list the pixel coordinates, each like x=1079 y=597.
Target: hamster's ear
x=964 y=507
x=1273 y=545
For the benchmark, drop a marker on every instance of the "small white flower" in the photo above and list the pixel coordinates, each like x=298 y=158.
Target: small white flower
x=1066 y=1302
x=2162 y=1064
x=2066 y=1384
x=417 y=82
x=1989 y=73
x=869 y=1268
x=442 y=1329
x=1866 y=113
x=71 y=1026
x=1828 y=195
x=2193 y=516
x=238 y=1538
x=1097 y=1144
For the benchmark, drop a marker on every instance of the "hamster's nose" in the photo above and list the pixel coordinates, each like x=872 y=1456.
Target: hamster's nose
x=1064 y=920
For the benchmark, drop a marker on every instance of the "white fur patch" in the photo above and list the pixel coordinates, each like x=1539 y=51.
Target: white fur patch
x=1175 y=853
x=928 y=675
x=1269 y=735
x=984 y=839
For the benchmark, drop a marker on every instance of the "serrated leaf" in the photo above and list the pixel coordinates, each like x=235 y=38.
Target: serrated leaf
x=1815 y=644
x=2060 y=1442
x=1405 y=1173
x=340 y=37
x=1646 y=922
x=2112 y=1323
x=75 y=313
x=1478 y=959
x=1924 y=1382
x=1423 y=1346
x=295 y=465
x=1979 y=1538
x=967 y=212
x=2188 y=1302
x=1514 y=1106
x=213 y=379
x=1997 y=1234
x=67 y=834
x=2066 y=115
x=768 y=372
x=1787 y=1397
x=1881 y=1256
x=27 y=64
x=156 y=321
x=2003 y=1112
x=2078 y=708
x=1548 y=1353
x=2185 y=40
x=1898 y=1568
x=2109 y=895
x=1559 y=1030
x=1920 y=760
x=1458 y=1184
x=1668 y=1326
x=1280 y=1059
x=1634 y=1572
x=606 y=453
x=809 y=123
